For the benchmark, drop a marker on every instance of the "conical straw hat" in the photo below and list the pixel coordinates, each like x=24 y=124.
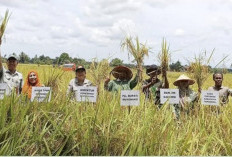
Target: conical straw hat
x=183 y=78
x=122 y=69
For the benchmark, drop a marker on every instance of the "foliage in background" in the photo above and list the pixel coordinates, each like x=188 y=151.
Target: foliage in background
x=116 y=62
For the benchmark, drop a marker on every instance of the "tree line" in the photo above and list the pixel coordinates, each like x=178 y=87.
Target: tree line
x=64 y=58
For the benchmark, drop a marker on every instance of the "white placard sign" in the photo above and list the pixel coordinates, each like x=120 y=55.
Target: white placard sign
x=41 y=93
x=210 y=97
x=88 y=94
x=169 y=94
x=4 y=90
x=130 y=98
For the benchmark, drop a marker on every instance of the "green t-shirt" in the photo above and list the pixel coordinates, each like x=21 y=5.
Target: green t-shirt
x=117 y=85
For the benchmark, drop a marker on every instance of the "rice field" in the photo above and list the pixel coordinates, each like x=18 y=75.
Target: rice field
x=66 y=127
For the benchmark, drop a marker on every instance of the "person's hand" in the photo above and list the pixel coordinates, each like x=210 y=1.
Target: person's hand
x=164 y=73
x=182 y=103
x=153 y=80
x=107 y=80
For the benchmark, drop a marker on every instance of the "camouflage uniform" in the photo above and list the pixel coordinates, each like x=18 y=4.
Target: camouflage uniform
x=154 y=91
x=187 y=97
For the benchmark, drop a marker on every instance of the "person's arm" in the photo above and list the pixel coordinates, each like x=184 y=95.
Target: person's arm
x=166 y=83
x=230 y=92
x=1 y=67
x=148 y=85
x=108 y=85
x=145 y=86
x=70 y=88
x=134 y=82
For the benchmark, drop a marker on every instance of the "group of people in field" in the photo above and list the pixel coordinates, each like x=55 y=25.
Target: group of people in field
x=151 y=87
x=123 y=81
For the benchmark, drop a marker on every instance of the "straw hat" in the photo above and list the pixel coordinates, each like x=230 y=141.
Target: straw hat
x=183 y=78
x=120 y=70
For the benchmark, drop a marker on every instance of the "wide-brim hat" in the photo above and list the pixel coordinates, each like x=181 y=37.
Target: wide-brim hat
x=153 y=68
x=183 y=78
x=122 y=69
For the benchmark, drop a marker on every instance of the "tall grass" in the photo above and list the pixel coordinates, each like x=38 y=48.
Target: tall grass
x=65 y=127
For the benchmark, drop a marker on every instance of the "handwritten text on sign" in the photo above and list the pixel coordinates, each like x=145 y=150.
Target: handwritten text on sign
x=169 y=94
x=130 y=98
x=41 y=93
x=86 y=94
x=4 y=90
x=210 y=97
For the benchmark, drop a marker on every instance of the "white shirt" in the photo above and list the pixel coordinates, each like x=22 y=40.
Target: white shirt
x=13 y=80
x=73 y=84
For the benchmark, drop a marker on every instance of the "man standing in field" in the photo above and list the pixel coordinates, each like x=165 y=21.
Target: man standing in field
x=187 y=96
x=123 y=80
x=10 y=76
x=151 y=87
x=79 y=80
x=224 y=92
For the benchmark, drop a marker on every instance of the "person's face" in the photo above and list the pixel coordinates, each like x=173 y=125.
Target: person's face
x=153 y=75
x=218 y=79
x=80 y=75
x=12 y=64
x=32 y=78
x=184 y=84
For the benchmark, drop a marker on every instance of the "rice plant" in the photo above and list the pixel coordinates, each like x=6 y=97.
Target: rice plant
x=4 y=24
x=99 y=71
x=199 y=68
x=164 y=58
x=66 y=127
x=138 y=51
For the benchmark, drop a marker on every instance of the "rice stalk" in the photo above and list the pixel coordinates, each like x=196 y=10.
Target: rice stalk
x=199 y=68
x=4 y=24
x=164 y=58
x=99 y=71
x=137 y=50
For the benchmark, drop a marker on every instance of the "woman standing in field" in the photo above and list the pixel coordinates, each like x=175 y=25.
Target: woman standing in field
x=123 y=80
x=187 y=95
x=32 y=80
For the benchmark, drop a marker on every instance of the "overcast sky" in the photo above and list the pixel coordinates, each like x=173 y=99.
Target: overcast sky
x=95 y=28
